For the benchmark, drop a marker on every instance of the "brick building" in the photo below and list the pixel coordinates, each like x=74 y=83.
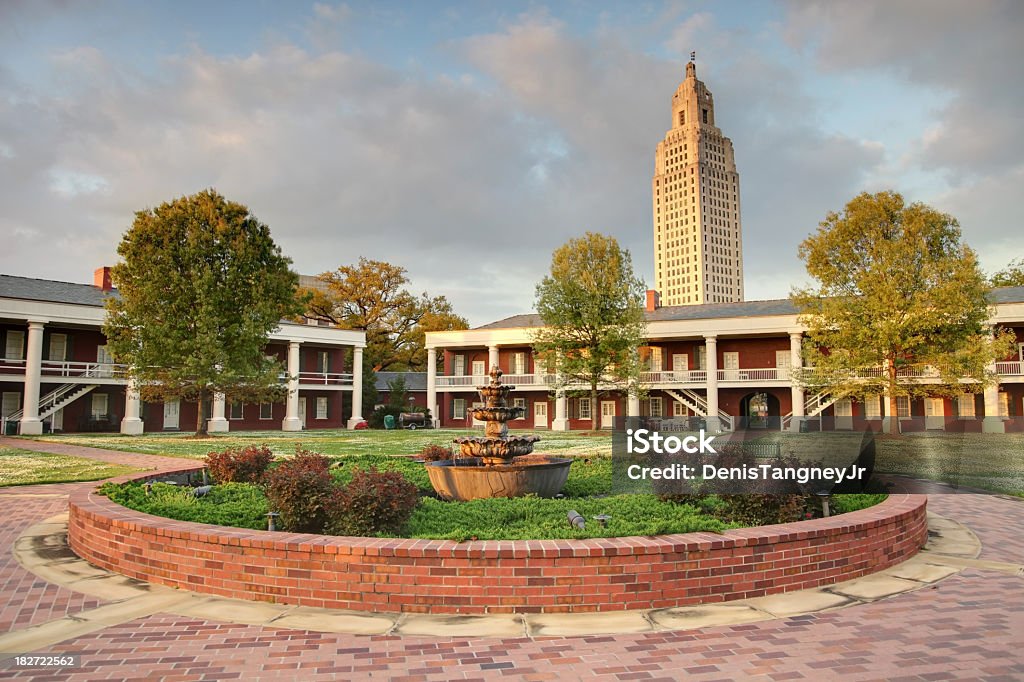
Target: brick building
x=56 y=374
x=725 y=365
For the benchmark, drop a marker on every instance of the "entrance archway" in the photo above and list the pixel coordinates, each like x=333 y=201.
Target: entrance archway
x=760 y=410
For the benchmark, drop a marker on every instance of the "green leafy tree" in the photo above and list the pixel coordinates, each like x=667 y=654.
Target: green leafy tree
x=202 y=284
x=372 y=296
x=896 y=290
x=1011 y=276
x=592 y=308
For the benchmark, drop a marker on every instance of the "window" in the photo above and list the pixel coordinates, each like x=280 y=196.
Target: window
x=99 y=406
x=479 y=368
x=103 y=356
x=872 y=407
x=656 y=407
x=323 y=361
x=11 y=403
x=459 y=408
x=266 y=410
x=236 y=411
x=518 y=364
x=702 y=357
x=459 y=365
x=585 y=411
x=321 y=407
x=678 y=409
x=903 y=406
x=521 y=404
x=844 y=408
x=965 y=404
x=14 y=348
x=704 y=115
x=58 y=348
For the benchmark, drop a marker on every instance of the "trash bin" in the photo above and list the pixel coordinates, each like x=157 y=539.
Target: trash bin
x=389 y=421
x=11 y=428
x=804 y=426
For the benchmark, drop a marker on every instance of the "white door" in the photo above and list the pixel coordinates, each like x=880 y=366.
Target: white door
x=479 y=368
x=680 y=366
x=783 y=363
x=172 y=408
x=302 y=411
x=843 y=411
x=58 y=347
x=103 y=358
x=607 y=414
x=540 y=415
x=934 y=414
x=731 y=365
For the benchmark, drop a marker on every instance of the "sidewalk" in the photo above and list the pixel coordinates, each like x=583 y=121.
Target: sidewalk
x=968 y=626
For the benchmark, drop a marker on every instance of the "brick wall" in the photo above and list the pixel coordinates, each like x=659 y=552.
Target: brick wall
x=434 y=576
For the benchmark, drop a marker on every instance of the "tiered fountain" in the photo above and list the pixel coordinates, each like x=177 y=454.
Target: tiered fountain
x=497 y=464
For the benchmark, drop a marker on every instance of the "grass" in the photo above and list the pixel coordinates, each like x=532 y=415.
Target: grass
x=988 y=461
x=23 y=467
x=329 y=442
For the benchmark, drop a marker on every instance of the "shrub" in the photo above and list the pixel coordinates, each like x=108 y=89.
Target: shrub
x=372 y=502
x=435 y=453
x=240 y=465
x=759 y=510
x=300 y=489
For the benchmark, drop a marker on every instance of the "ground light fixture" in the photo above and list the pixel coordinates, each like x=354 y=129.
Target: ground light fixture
x=602 y=519
x=823 y=495
x=271 y=520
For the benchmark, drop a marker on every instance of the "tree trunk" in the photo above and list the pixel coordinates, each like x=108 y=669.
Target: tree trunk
x=894 y=417
x=201 y=424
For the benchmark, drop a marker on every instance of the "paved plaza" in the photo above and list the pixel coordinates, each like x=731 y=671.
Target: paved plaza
x=969 y=625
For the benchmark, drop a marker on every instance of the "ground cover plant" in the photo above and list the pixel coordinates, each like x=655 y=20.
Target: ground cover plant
x=24 y=467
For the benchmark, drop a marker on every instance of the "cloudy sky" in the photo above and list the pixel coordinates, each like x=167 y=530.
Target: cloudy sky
x=465 y=141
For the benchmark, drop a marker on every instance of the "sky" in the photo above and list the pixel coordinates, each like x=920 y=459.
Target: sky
x=465 y=141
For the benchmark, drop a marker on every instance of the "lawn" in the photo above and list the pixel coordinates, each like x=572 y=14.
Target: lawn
x=23 y=467
x=989 y=461
x=329 y=442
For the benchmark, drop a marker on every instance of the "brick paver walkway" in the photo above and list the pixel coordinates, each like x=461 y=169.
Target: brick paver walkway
x=969 y=627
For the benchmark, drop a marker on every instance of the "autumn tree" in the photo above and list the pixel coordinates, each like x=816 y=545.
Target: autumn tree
x=592 y=308
x=201 y=287
x=1010 y=276
x=372 y=296
x=896 y=292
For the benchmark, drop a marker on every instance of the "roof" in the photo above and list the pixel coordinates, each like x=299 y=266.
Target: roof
x=414 y=381
x=31 y=289
x=710 y=311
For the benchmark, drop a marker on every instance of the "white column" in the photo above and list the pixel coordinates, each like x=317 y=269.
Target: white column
x=217 y=423
x=796 y=361
x=886 y=415
x=992 y=423
x=30 y=422
x=492 y=358
x=632 y=403
x=357 y=387
x=711 y=355
x=291 y=420
x=561 y=422
x=132 y=423
x=432 y=386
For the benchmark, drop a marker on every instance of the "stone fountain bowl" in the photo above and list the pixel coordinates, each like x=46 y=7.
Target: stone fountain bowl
x=497 y=414
x=468 y=478
x=496 y=448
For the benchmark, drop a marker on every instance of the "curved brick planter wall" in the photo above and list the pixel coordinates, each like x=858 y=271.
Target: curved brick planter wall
x=476 y=577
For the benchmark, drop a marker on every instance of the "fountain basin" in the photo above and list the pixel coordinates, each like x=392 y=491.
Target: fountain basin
x=468 y=478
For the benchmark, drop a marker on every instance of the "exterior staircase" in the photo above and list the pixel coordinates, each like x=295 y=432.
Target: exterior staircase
x=56 y=399
x=697 y=403
x=813 y=406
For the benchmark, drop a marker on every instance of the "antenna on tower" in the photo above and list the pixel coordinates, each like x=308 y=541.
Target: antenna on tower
x=693 y=56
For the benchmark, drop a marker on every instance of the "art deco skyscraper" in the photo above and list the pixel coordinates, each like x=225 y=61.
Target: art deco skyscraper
x=698 y=244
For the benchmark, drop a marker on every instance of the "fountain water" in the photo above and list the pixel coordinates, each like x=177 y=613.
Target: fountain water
x=497 y=464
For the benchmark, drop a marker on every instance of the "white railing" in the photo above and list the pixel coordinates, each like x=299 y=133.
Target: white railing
x=517 y=380
x=94 y=370
x=325 y=378
x=1014 y=368
x=53 y=400
x=693 y=376
x=754 y=374
x=12 y=366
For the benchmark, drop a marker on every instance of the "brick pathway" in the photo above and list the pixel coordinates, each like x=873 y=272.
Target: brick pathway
x=969 y=627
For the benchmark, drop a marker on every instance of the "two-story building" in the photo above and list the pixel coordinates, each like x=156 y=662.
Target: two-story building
x=725 y=365
x=56 y=373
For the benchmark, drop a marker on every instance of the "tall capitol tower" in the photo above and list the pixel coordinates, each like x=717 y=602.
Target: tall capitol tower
x=698 y=244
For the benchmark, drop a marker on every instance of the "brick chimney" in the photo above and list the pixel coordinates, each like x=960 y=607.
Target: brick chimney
x=101 y=278
x=653 y=301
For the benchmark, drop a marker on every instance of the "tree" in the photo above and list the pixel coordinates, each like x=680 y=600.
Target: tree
x=201 y=286
x=592 y=308
x=371 y=296
x=1011 y=276
x=896 y=290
